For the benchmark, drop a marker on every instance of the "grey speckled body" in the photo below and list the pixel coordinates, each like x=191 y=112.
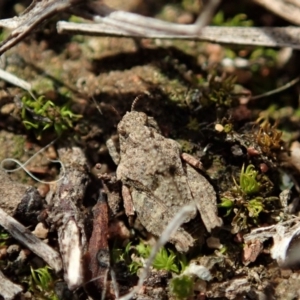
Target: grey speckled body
x=151 y=166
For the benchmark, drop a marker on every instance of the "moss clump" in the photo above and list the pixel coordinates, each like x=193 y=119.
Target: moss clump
x=182 y=287
x=40 y=115
x=247 y=199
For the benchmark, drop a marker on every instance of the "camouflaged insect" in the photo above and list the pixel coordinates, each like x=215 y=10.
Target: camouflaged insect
x=159 y=181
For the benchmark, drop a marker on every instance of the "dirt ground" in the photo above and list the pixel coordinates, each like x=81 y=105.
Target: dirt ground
x=200 y=96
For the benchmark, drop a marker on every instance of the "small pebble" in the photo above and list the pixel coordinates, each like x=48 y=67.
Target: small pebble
x=27 y=295
x=40 y=231
x=7 y=108
x=219 y=127
x=263 y=167
x=13 y=250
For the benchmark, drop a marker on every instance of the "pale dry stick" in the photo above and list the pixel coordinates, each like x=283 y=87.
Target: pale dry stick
x=29 y=240
x=42 y=10
x=282 y=233
x=278 y=90
x=254 y=36
x=264 y=233
x=138 y=24
x=36 y=13
x=97 y=106
x=8 y=289
x=172 y=227
x=8 y=77
x=114 y=283
x=288 y=11
x=65 y=199
x=206 y=14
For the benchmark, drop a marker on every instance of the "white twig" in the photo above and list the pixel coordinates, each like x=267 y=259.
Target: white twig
x=264 y=36
x=207 y=14
x=37 y=12
x=41 y=10
x=8 y=289
x=15 y=80
x=137 y=24
x=289 y=10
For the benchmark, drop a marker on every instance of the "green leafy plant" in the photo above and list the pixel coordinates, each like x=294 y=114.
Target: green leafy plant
x=244 y=199
x=134 y=256
x=4 y=236
x=166 y=260
x=238 y=20
x=219 y=92
x=228 y=204
x=181 y=286
x=121 y=254
x=41 y=284
x=41 y=114
x=269 y=55
x=247 y=182
x=255 y=207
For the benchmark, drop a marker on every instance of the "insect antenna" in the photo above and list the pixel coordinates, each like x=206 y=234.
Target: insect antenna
x=137 y=99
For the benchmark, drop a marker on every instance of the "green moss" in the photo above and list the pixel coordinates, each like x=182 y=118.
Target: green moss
x=135 y=255
x=219 y=92
x=76 y=19
x=248 y=184
x=182 y=287
x=247 y=199
x=186 y=146
x=193 y=124
x=240 y=20
x=40 y=115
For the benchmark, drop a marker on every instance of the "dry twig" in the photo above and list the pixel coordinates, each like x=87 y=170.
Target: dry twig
x=35 y=14
x=254 y=36
x=66 y=213
x=289 y=10
x=8 y=77
x=25 y=237
x=40 y=11
x=8 y=289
